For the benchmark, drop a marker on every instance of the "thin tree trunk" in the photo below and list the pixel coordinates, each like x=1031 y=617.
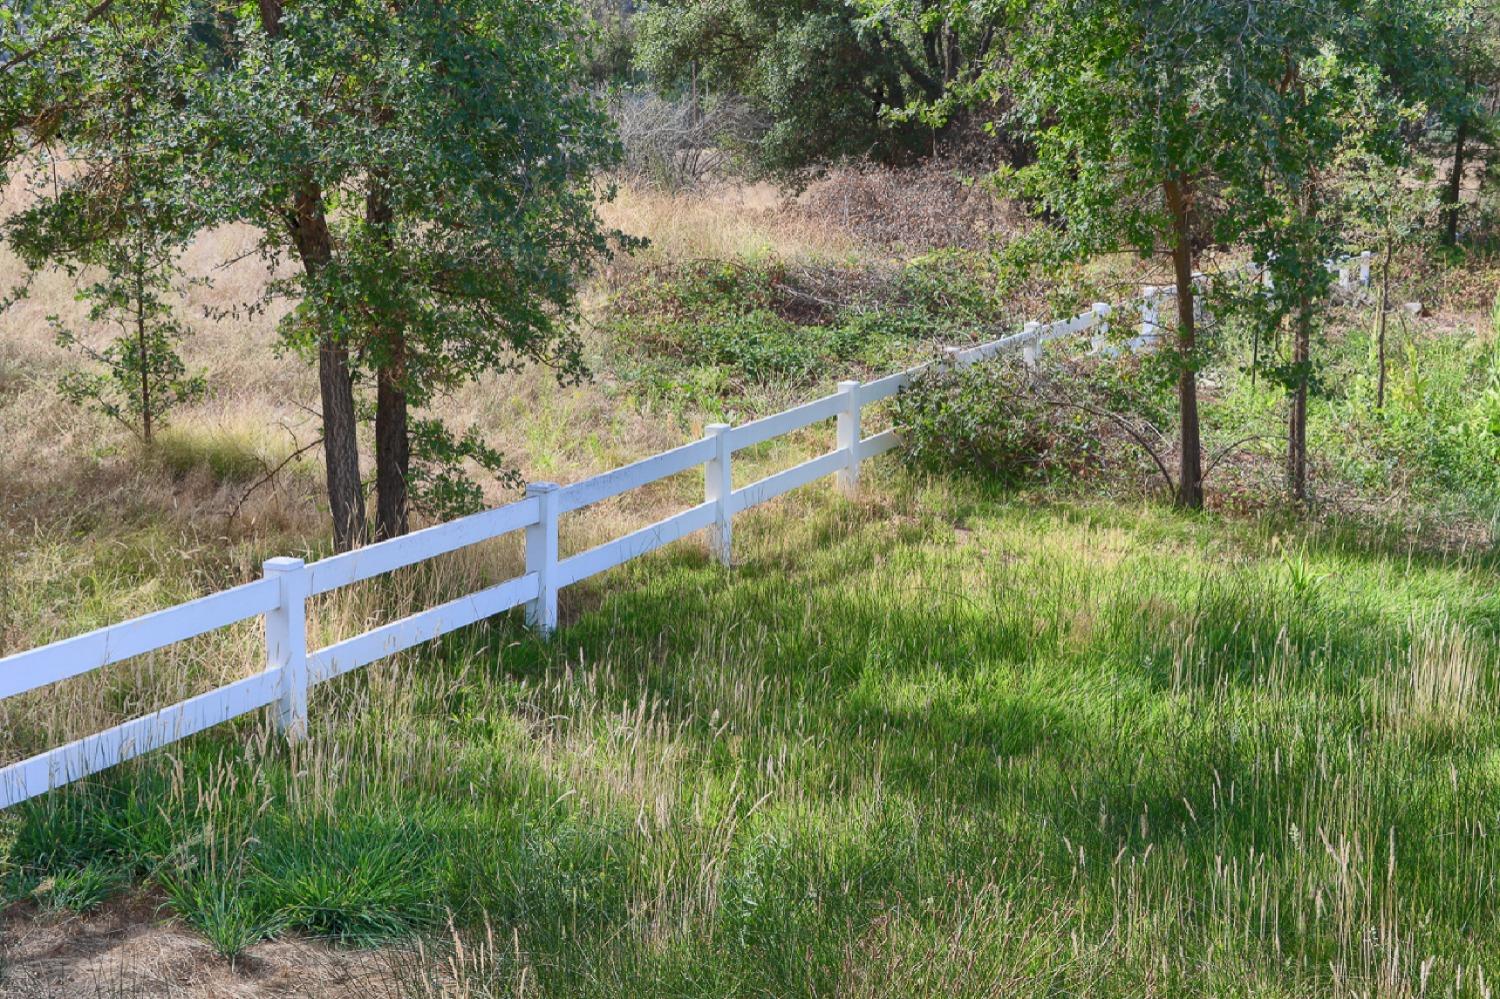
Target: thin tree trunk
x=1190 y=468
x=140 y=345
x=1380 y=319
x=1296 y=438
x=309 y=223
x=1455 y=181
x=392 y=443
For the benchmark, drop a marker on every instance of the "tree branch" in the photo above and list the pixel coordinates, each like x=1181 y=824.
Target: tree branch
x=94 y=12
x=270 y=474
x=1124 y=425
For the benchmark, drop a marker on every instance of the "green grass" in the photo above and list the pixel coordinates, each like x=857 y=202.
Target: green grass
x=938 y=743
x=1436 y=439
x=734 y=336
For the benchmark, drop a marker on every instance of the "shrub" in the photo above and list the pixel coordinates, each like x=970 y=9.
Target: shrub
x=1009 y=423
x=678 y=143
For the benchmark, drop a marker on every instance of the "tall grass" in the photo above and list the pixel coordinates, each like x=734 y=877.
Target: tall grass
x=940 y=743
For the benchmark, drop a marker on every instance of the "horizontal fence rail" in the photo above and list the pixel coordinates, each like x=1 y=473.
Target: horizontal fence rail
x=281 y=595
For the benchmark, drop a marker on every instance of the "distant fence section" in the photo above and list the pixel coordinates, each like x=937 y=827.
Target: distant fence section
x=281 y=595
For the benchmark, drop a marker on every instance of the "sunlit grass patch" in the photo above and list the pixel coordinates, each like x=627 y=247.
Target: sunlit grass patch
x=934 y=742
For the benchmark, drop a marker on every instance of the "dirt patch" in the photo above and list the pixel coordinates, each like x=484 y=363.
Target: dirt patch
x=127 y=948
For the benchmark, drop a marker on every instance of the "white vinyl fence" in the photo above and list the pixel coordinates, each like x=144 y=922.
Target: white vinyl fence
x=281 y=595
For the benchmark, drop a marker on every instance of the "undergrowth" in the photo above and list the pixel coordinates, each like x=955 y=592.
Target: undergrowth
x=706 y=334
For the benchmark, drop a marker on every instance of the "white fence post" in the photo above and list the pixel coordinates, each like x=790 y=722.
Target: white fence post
x=1364 y=268
x=1031 y=347
x=1150 y=314
x=718 y=485
x=286 y=644
x=541 y=558
x=849 y=438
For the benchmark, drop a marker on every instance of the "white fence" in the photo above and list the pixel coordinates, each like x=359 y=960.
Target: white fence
x=282 y=594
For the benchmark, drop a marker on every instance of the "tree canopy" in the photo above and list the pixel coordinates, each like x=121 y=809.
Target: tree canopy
x=824 y=75
x=430 y=166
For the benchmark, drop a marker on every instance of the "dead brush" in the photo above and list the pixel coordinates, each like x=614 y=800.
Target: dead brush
x=939 y=205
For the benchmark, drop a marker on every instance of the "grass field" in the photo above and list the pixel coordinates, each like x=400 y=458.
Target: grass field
x=935 y=743
x=944 y=740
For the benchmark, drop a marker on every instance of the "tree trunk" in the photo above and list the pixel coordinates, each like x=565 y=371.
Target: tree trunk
x=1296 y=437
x=1380 y=318
x=346 y=500
x=1190 y=468
x=140 y=346
x=309 y=224
x=1455 y=185
x=392 y=444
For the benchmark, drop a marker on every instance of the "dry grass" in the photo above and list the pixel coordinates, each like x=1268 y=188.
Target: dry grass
x=94 y=531
x=726 y=222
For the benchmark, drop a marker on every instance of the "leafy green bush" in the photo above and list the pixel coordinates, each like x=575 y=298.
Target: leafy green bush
x=1013 y=424
x=1436 y=438
x=1443 y=415
x=955 y=284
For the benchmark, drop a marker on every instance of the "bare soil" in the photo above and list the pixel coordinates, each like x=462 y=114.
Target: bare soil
x=128 y=948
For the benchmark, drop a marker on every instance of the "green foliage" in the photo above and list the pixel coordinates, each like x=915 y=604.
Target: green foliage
x=439 y=482
x=144 y=378
x=1443 y=417
x=430 y=168
x=989 y=419
x=824 y=76
x=1004 y=421
x=609 y=47
x=491 y=225
x=1436 y=439
x=713 y=329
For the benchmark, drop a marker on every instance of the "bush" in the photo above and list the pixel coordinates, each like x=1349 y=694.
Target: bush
x=676 y=144
x=1009 y=423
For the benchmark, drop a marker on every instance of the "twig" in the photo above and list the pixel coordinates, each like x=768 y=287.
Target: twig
x=1223 y=452
x=1124 y=425
x=268 y=477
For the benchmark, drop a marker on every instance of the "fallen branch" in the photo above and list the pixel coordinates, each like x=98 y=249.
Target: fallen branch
x=1124 y=425
x=1223 y=452
x=270 y=474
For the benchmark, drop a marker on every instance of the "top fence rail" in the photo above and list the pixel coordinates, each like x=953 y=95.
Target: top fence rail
x=280 y=596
